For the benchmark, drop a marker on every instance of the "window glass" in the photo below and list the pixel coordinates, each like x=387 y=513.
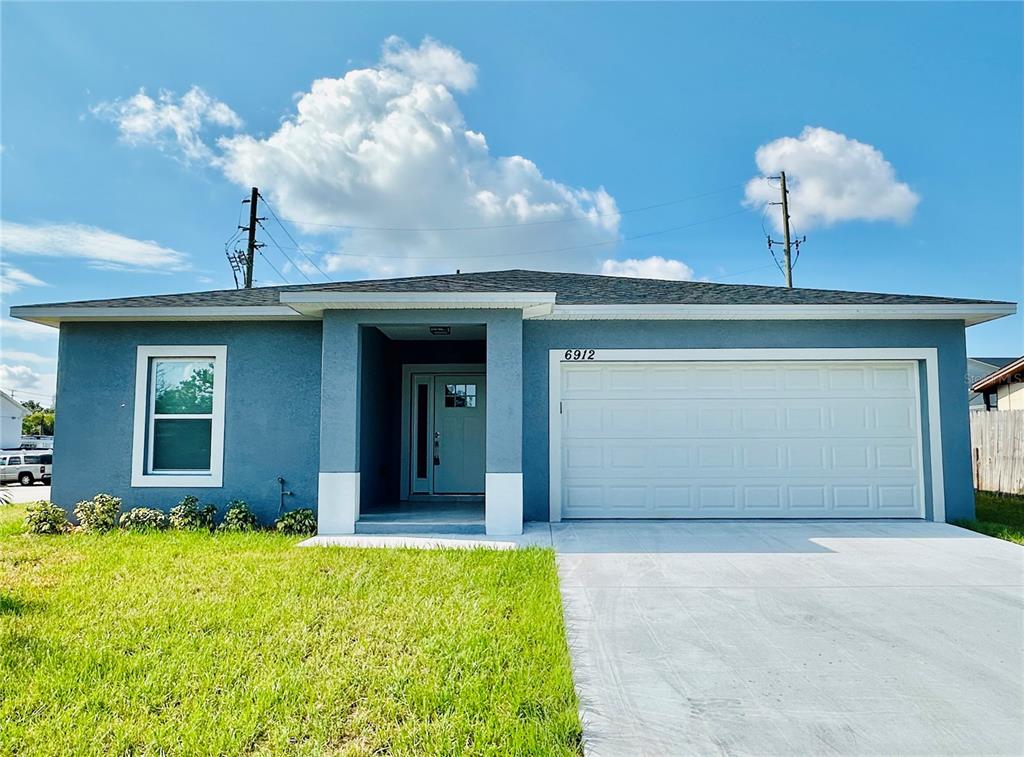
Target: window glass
x=181 y=421
x=14 y=461
x=31 y=459
x=460 y=395
x=180 y=444
x=183 y=387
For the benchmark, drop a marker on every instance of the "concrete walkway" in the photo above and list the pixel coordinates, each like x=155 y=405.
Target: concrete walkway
x=771 y=638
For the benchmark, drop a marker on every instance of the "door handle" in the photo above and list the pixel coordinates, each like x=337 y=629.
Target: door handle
x=437 y=448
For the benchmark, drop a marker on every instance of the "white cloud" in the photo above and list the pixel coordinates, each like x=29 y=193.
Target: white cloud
x=28 y=357
x=170 y=123
x=11 y=328
x=27 y=384
x=104 y=249
x=654 y=267
x=431 y=63
x=12 y=279
x=831 y=178
x=388 y=146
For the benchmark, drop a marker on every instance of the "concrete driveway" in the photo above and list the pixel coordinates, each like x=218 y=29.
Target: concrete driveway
x=773 y=638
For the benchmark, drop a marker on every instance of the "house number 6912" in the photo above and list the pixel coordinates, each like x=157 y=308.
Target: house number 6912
x=579 y=355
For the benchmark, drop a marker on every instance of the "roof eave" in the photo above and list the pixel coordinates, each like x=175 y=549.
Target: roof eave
x=314 y=303
x=970 y=313
x=1002 y=376
x=54 y=316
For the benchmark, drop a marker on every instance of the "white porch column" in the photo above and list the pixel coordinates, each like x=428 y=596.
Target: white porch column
x=338 y=486
x=503 y=495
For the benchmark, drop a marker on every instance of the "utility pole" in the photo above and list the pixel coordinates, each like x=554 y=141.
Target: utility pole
x=250 y=253
x=785 y=226
x=787 y=264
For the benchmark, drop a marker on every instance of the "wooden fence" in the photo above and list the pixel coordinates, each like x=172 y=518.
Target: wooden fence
x=997 y=448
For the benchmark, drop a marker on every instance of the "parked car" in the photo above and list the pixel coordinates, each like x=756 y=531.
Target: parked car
x=26 y=466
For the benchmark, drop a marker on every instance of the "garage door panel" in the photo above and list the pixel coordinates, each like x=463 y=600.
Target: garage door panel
x=807 y=440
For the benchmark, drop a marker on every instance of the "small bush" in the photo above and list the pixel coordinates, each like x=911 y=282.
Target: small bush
x=189 y=516
x=144 y=519
x=45 y=518
x=297 y=523
x=98 y=514
x=239 y=517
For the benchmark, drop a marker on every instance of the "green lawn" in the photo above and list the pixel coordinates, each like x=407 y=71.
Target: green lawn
x=186 y=643
x=1000 y=515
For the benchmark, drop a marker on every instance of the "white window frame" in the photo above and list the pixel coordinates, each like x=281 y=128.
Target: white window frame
x=142 y=452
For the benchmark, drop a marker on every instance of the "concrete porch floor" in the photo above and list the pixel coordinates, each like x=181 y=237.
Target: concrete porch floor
x=449 y=516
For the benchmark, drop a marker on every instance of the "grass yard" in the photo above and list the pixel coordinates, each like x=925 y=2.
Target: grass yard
x=1000 y=515
x=186 y=643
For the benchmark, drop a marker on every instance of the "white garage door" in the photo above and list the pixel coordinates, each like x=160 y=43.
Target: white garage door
x=744 y=439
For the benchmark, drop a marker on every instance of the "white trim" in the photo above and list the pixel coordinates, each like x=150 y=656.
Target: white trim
x=929 y=355
x=337 y=507
x=313 y=303
x=48 y=316
x=969 y=313
x=535 y=306
x=432 y=369
x=215 y=476
x=503 y=504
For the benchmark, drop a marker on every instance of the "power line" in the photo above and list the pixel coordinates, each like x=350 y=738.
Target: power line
x=273 y=267
x=518 y=253
x=297 y=245
x=286 y=255
x=588 y=217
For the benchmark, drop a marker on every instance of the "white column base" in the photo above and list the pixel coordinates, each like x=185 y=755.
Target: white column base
x=337 y=504
x=503 y=504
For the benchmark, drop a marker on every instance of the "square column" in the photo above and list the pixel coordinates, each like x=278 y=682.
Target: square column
x=503 y=497
x=338 y=486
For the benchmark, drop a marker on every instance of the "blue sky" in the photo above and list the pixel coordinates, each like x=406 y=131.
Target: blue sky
x=612 y=108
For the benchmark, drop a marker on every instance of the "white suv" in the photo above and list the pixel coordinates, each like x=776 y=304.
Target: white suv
x=26 y=466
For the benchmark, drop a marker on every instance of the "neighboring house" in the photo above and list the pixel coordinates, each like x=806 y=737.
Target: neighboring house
x=11 y=413
x=1003 y=389
x=553 y=395
x=977 y=369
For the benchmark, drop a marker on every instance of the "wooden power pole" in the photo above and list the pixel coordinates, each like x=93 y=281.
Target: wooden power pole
x=788 y=243
x=250 y=251
x=785 y=226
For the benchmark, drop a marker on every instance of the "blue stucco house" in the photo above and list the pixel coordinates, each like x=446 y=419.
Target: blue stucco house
x=527 y=395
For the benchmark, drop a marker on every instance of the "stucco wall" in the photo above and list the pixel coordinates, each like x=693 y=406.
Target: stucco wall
x=271 y=425
x=948 y=336
x=273 y=397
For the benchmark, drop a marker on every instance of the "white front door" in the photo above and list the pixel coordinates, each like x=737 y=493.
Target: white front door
x=458 y=446
x=768 y=439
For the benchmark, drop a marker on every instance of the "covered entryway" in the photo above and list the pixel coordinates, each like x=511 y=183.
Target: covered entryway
x=737 y=439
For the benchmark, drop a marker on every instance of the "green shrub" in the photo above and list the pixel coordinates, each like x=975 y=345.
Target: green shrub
x=189 y=516
x=99 y=513
x=45 y=518
x=144 y=519
x=239 y=517
x=297 y=523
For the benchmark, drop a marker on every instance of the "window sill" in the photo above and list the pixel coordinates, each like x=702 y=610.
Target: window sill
x=173 y=481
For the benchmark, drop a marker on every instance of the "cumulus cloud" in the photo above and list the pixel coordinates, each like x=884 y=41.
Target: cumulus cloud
x=27 y=383
x=103 y=249
x=654 y=267
x=831 y=178
x=385 y=154
x=169 y=122
x=12 y=279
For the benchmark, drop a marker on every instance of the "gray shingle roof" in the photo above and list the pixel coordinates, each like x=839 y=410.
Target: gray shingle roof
x=571 y=289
